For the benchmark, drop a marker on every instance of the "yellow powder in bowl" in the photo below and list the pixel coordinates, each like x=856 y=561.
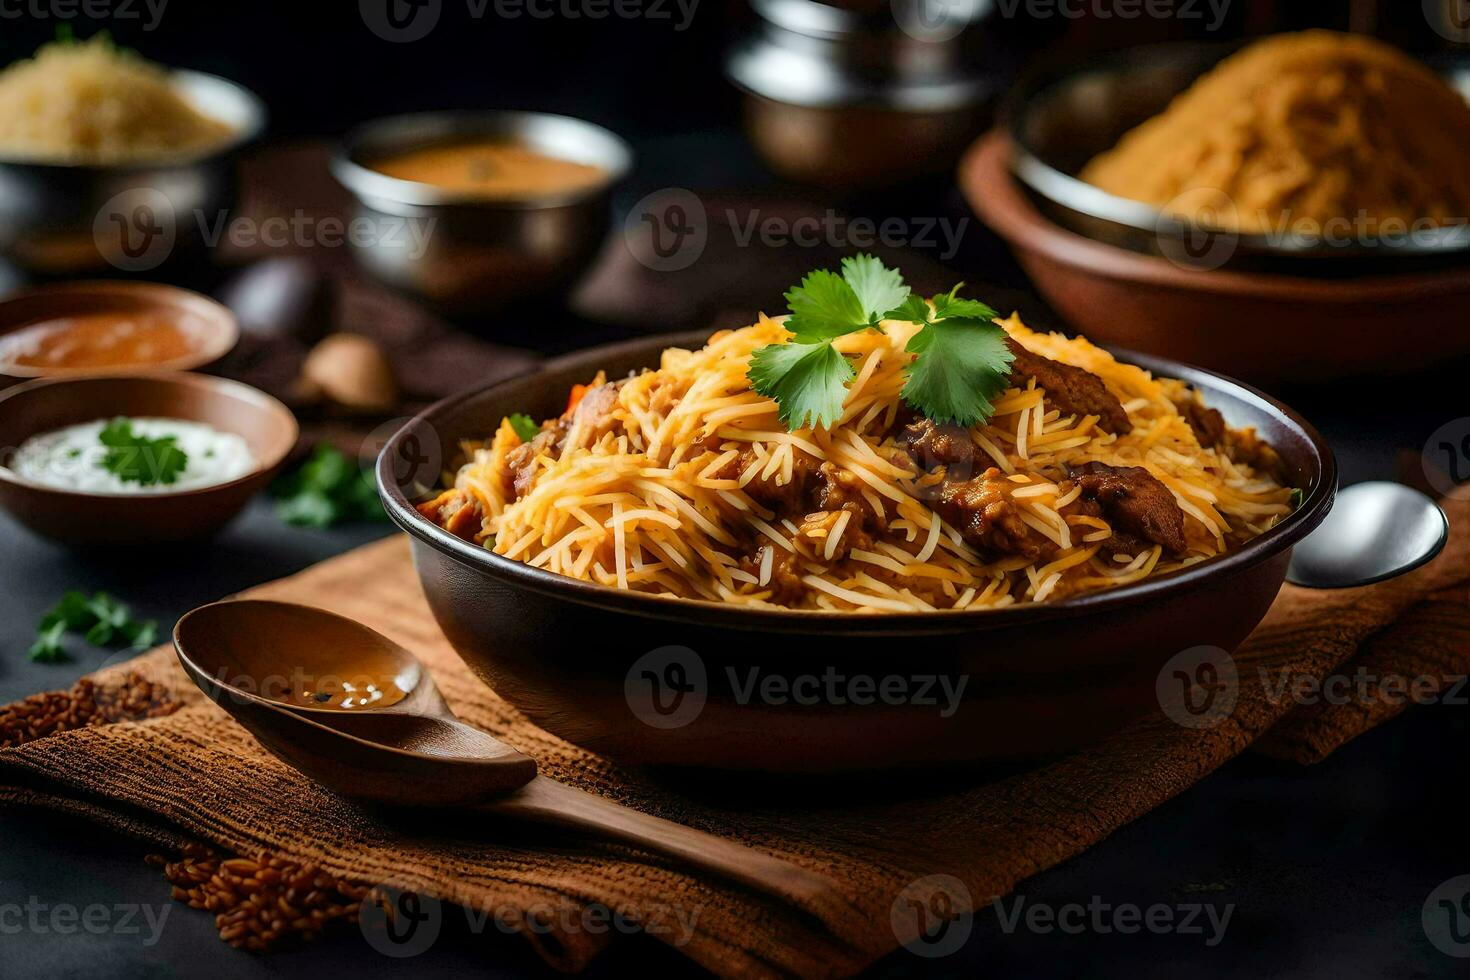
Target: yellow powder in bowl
x=1300 y=131
x=90 y=103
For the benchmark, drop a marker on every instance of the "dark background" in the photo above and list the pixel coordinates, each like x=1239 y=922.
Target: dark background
x=1327 y=867
x=320 y=69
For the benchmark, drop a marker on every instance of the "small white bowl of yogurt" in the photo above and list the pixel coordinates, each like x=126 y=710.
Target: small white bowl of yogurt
x=166 y=456
x=137 y=458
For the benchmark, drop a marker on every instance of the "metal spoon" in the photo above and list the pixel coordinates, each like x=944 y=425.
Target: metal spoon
x=1374 y=531
x=357 y=713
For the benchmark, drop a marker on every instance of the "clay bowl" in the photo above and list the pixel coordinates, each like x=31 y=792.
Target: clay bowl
x=217 y=330
x=648 y=680
x=1266 y=327
x=91 y=519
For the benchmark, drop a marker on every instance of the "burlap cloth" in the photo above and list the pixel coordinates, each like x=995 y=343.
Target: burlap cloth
x=194 y=774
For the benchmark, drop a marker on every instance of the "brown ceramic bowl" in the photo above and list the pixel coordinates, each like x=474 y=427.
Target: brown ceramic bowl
x=581 y=659
x=1262 y=326
x=83 y=518
x=218 y=329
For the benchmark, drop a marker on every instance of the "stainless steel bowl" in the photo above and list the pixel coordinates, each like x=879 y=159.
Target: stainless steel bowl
x=1059 y=120
x=853 y=100
x=473 y=255
x=58 y=220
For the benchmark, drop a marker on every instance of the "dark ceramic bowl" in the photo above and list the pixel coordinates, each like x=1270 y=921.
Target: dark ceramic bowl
x=86 y=519
x=605 y=669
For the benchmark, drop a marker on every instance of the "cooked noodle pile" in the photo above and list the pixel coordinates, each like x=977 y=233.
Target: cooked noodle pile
x=1300 y=130
x=682 y=481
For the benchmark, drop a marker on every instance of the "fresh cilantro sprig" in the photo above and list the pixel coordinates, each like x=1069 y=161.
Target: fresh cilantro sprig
x=961 y=360
x=525 y=426
x=325 y=490
x=961 y=363
x=103 y=621
x=134 y=458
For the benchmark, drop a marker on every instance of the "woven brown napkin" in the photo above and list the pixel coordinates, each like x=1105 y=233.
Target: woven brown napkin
x=194 y=774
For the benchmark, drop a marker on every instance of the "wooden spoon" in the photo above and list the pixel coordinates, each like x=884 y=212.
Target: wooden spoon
x=359 y=714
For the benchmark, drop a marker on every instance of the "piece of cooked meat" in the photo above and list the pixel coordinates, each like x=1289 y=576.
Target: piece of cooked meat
x=592 y=419
x=1244 y=446
x=1208 y=424
x=1134 y=501
x=814 y=485
x=815 y=528
x=1073 y=390
x=786 y=586
x=976 y=506
x=981 y=510
x=932 y=445
x=456 y=512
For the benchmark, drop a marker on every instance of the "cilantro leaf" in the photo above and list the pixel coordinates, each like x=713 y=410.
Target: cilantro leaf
x=73 y=612
x=824 y=306
x=878 y=288
x=962 y=365
x=525 y=426
x=138 y=459
x=913 y=309
x=806 y=380
x=140 y=636
x=47 y=648
x=949 y=305
x=325 y=490
x=103 y=621
x=961 y=359
x=309 y=508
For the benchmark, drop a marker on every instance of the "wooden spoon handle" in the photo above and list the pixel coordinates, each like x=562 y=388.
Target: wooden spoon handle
x=546 y=801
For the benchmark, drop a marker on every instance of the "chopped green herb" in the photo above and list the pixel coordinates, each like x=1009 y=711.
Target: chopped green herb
x=102 y=620
x=137 y=459
x=525 y=426
x=962 y=366
x=1296 y=497
x=808 y=381
x=47 y=648
x=961 y=359
x=325 y=490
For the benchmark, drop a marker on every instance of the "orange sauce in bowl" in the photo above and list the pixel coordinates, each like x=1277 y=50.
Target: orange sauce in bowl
x=491 y=169
x=104 y=340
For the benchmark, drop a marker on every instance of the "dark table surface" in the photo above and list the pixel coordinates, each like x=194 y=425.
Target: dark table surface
x=1323 y=870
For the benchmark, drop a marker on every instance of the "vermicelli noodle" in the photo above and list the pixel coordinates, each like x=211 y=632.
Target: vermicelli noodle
x=682 y=481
